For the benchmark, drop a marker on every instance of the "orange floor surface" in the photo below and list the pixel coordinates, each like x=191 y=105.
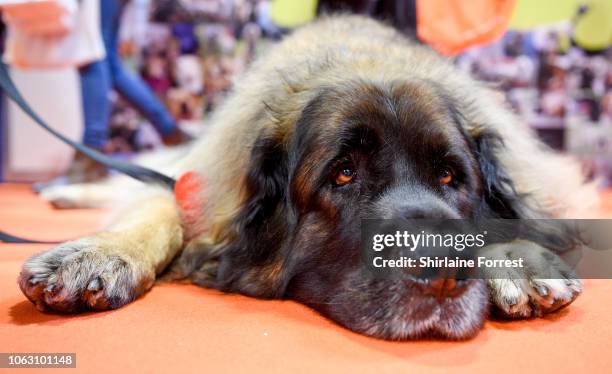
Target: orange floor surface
x=183 y=328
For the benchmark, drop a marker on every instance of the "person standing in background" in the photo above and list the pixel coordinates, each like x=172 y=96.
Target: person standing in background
x=85 y=34
x=97 y=80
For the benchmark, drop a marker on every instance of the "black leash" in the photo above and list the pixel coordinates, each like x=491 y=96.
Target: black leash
x=8 y=238
x=135 y=171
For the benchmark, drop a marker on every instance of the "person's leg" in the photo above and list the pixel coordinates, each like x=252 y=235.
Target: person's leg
x=140 y=95
x=130 y=86
x=95 y=87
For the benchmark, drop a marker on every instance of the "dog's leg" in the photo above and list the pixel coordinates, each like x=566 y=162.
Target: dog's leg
x=543 y=285
x=110 y=269
x=87 y=195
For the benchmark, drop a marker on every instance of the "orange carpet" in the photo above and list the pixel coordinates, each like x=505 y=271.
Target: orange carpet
x=182 y=328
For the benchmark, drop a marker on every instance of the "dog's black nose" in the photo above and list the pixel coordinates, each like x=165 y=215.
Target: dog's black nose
x=424 y=212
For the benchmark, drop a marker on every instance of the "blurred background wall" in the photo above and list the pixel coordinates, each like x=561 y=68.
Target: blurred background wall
x=554 y=65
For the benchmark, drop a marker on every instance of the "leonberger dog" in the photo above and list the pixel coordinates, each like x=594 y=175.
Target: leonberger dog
x=344 y=119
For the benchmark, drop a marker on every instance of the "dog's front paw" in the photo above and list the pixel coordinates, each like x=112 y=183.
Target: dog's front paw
x=82 y=275
x=543 y=285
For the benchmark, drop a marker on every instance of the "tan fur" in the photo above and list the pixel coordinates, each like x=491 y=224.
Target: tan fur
x=149 y=230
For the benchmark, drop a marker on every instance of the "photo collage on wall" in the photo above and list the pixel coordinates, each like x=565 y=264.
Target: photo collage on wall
x=191 y=51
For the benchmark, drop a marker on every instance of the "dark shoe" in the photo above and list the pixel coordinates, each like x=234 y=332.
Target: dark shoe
x=82 y=170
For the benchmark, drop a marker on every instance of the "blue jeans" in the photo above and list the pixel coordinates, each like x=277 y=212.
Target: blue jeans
x=98 y=78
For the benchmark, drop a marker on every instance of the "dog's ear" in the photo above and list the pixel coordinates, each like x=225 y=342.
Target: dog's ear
x=265 y=182
x=247 y=260
x=248 y=263
x=501 y=200
x=500 y=196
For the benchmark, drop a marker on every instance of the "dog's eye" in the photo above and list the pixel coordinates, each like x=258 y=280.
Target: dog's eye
x=446 y=176
x=344 y=174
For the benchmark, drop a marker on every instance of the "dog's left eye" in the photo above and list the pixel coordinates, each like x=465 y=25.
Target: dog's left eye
x=345 y=173
x=345 y=176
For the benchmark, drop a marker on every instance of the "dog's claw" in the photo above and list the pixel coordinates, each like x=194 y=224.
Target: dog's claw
x=542 y=290
x=95 y=284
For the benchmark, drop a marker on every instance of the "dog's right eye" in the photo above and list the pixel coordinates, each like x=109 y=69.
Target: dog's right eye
x=446 y=176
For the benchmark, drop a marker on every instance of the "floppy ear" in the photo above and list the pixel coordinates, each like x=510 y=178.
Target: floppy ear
x=503 y=201
x=265 y=182
x=242 y=261
x=248 y=262
x=500 y=196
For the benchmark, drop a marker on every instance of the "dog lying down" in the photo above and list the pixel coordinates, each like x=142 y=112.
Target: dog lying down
x=344 y=118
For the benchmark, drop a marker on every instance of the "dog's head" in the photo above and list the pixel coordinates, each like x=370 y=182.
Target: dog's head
x=364 y=150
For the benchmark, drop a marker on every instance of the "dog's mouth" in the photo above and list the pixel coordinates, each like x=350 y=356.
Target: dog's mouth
x=447 y=309
x=407 y=310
